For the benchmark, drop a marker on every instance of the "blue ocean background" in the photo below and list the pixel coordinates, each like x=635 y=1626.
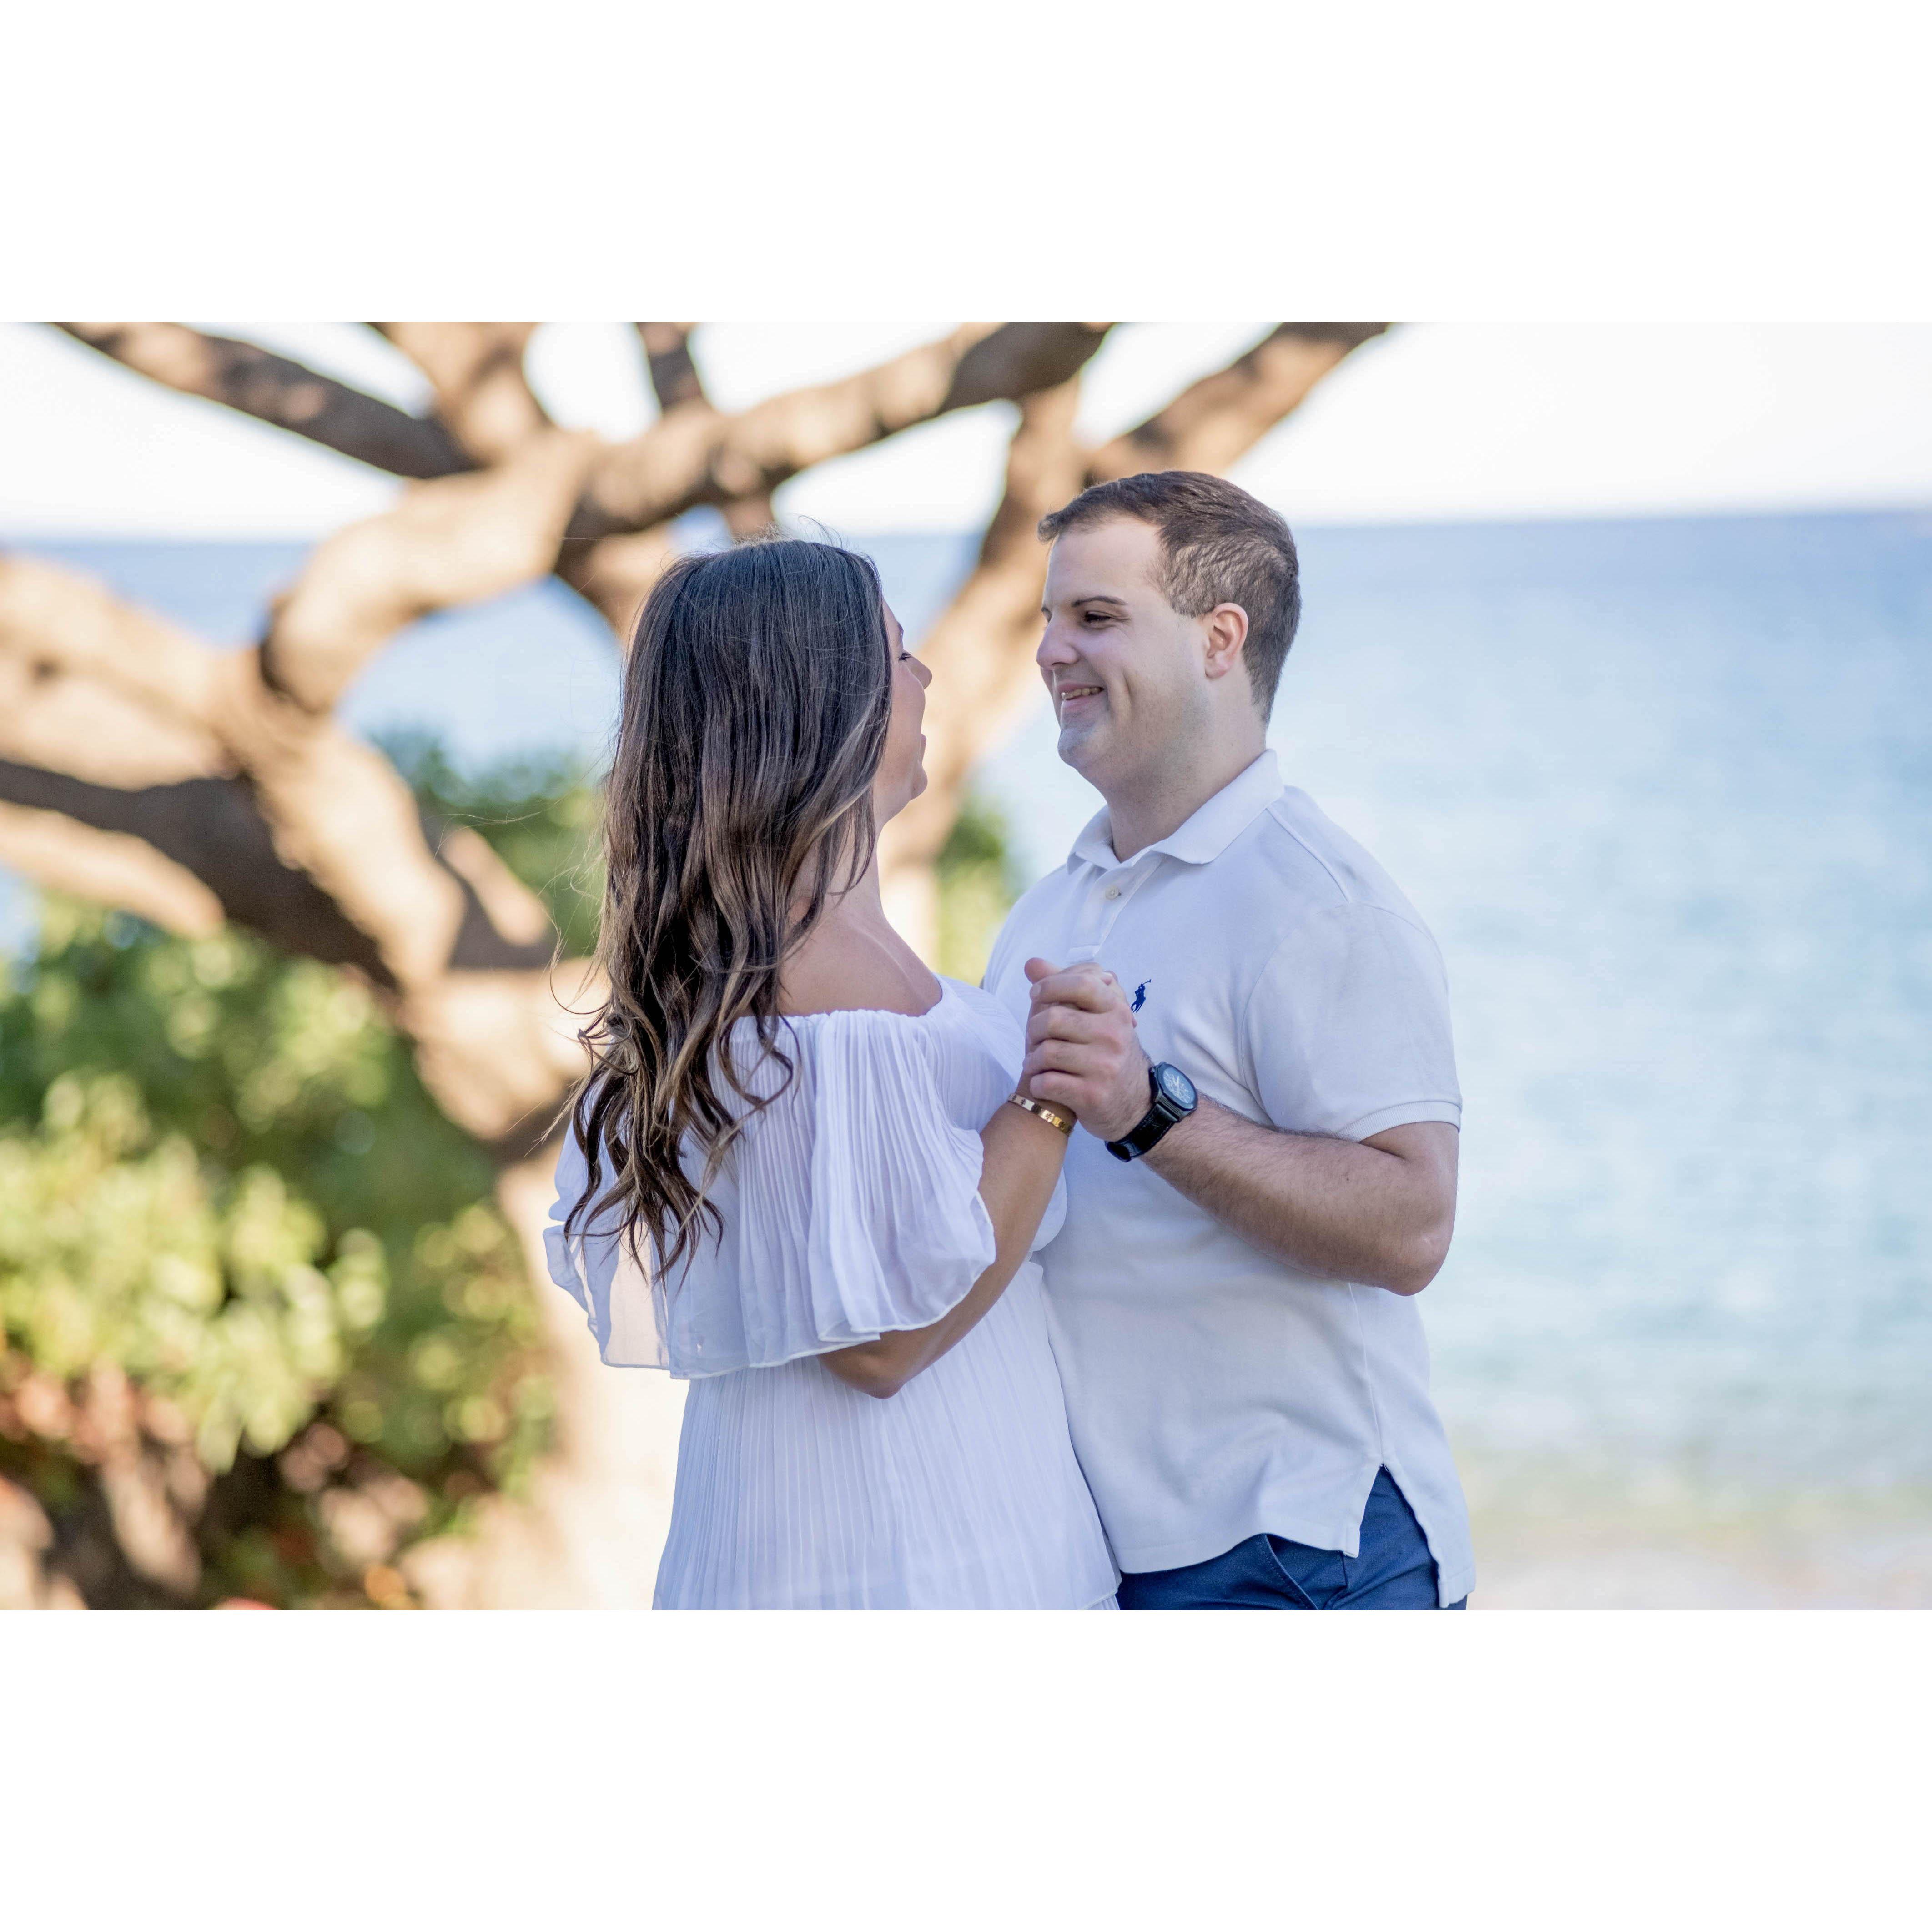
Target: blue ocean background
x=1663 y=789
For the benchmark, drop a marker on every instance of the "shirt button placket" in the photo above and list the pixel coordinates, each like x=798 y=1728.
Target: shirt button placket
x=1091 y=928
x=1110 y=907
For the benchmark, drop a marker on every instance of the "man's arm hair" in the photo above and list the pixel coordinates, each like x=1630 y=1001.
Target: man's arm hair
x=1380 y=1211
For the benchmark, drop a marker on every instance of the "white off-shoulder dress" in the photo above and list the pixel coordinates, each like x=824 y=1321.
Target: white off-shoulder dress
x=851 y=1208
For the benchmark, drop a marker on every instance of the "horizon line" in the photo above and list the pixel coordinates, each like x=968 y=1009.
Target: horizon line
x=1699 y=513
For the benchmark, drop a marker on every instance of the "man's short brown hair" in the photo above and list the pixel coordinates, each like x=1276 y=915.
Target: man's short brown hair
x=1219 y=545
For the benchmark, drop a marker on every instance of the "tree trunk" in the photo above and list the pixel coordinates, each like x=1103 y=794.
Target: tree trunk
x=589 y=1535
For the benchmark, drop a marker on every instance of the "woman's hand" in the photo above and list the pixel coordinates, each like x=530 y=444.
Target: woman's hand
x=1083 y=1049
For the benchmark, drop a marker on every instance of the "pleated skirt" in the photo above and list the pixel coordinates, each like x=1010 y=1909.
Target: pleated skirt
x=961 y=1492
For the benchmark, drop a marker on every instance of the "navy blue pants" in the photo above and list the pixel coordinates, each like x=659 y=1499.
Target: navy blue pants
x=1394 y=1571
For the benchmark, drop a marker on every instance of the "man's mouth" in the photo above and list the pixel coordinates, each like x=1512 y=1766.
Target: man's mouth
x=1070 y=696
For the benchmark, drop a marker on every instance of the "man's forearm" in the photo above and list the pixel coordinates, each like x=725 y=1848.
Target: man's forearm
x=1354 y=1209
x=1378 y=1210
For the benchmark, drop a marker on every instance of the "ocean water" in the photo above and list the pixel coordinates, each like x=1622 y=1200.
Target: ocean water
x=1664 y=791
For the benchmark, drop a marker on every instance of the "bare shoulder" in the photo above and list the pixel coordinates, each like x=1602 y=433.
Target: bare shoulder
x=836 y=971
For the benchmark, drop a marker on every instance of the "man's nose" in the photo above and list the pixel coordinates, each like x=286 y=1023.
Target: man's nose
x=1054 y=650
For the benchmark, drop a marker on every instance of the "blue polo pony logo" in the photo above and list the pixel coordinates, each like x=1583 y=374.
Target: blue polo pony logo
x=1140 y=996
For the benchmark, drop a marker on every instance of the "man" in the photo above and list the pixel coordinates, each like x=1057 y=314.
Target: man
x=1266 y=1173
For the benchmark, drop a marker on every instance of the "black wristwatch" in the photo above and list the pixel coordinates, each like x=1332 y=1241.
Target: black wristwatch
x=1173 y=1099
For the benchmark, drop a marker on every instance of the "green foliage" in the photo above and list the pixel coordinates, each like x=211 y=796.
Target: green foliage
x=221 y=1180
x=116 y=1245
x=977 y=887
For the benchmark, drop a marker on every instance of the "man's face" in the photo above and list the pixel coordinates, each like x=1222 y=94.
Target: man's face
x=1123 y=666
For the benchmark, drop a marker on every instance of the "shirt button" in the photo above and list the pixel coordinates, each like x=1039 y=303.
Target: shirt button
x=1113 y=891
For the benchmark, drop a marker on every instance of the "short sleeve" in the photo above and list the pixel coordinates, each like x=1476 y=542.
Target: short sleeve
x=850 y=1208
x=1347 y=1029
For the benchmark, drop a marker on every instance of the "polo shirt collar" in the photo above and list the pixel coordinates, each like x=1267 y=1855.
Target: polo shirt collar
x=1202 y=838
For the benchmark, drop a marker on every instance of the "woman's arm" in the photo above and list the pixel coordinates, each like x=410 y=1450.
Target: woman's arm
x=1023 y=1157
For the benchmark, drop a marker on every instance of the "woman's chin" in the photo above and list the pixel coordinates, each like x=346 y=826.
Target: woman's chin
x=884 y=808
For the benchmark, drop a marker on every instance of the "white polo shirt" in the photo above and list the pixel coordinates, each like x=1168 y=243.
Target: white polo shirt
x=1215 y=1392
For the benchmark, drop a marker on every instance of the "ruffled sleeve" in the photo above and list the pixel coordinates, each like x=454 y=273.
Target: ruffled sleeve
x=594 y=1266
x=850 y=1208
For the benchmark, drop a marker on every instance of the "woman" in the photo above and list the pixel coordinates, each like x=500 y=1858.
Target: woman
x=798 y=1173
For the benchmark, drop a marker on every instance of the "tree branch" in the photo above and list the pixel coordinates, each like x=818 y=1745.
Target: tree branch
x=55 y=622
x=694 y=455
x=476 y=369
x=461 y=540
x=301 y=832
x=111 y=867
x=188 y=857
x=674 y=378
x=677 y=385
x=1214 y=421
x=209 y=832
x=690 y=458
x=82 y=725
x=275 y=390
x=980 y=651
x=687 y=460
x=507 y=1096
x=616 y=573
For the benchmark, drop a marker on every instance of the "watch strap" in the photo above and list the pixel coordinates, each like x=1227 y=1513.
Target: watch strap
x=1152 y=1127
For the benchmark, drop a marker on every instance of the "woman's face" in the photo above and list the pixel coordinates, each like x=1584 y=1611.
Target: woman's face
x=901 y=773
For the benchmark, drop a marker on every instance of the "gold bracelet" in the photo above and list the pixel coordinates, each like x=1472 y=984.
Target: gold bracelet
x=1052 y=1116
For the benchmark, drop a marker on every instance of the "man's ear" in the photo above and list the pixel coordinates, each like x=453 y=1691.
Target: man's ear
x=1227 y=633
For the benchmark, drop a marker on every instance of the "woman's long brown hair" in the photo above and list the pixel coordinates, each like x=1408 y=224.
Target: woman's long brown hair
x=756 y=701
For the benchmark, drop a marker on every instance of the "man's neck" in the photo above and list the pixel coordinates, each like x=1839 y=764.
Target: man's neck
x=1143 y=813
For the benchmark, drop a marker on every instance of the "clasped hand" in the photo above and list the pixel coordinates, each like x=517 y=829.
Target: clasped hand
x=1083 y=1051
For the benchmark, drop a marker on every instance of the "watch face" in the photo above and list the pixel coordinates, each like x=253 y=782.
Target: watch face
x=1175 y=1085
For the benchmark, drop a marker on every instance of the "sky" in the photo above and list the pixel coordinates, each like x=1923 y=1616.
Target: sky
x=1436 y=421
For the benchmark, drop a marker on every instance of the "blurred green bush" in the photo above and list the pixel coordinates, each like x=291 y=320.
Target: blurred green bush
x=977 y=886
x=263 y=1324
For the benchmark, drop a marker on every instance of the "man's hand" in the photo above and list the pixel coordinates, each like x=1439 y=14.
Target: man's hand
x=1082 y=1053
